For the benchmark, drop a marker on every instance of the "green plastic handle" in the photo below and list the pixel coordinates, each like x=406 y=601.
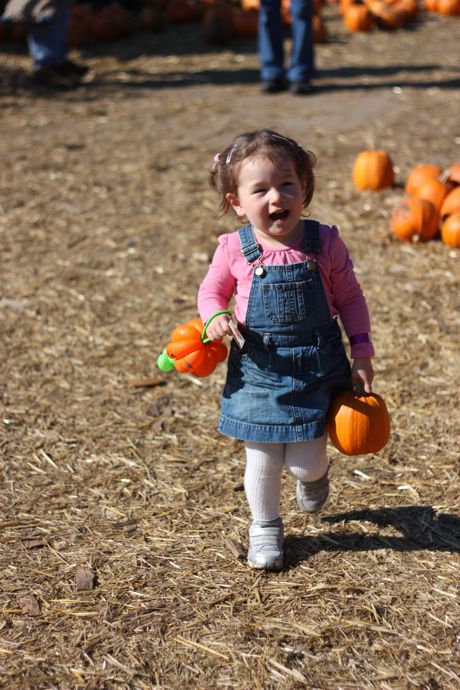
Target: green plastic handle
x=213 y=316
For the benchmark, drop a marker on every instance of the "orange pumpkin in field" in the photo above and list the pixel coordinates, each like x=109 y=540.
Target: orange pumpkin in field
x=387 y=16
x=451 y=203
x=358 y=17
x=373 y=170
x=450 y=231
x=358 y=424
x=434 y=191
x=448 y=8
x=414 y=219
x=420 y=174
x=453 y=173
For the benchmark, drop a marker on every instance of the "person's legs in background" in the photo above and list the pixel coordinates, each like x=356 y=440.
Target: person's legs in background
x=48 y=48
x=271 y=52
x=302 y=64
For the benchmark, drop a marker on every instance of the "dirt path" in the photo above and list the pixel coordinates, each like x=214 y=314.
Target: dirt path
x=106 y=226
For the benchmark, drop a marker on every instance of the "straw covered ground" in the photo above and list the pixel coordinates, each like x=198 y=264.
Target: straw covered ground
x=123 y=523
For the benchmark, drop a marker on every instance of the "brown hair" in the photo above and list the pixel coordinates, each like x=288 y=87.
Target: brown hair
x=260 y=142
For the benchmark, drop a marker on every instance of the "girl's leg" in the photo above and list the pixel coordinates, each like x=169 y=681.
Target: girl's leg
x=262 y=483
x=262 y=479
x=307 y=462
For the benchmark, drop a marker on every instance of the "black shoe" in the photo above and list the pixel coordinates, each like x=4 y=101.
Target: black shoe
x=274 y=85
x=301 y=88
x=72 y=69
x=50 y=78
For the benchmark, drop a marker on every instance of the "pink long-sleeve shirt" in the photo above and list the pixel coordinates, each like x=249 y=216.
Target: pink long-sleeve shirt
x=230 y=275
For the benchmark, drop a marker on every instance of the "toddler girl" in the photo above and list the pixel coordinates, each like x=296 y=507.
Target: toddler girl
x=290 y=278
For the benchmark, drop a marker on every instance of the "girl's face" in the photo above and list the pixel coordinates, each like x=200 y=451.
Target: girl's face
x=270 y=195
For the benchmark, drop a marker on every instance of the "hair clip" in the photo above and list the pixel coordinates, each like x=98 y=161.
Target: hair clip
x=230 y=154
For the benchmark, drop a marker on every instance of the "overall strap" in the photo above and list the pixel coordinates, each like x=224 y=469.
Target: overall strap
x=249 y=247
x=312 y=241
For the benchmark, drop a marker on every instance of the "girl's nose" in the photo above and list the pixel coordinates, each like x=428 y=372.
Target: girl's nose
x=275 y=195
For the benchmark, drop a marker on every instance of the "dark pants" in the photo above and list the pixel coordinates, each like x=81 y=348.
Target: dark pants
x=271 y=51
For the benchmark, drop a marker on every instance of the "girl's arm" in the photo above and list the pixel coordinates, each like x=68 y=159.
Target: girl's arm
x=216 y=291
x=349 y=300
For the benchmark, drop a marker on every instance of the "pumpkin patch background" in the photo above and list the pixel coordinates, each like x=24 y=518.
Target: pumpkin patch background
x=123 y=521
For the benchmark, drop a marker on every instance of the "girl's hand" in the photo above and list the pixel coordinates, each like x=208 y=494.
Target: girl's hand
x=362 y=373
x=219 y=327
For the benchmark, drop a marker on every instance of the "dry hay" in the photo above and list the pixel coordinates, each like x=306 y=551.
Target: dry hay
x=123 y=517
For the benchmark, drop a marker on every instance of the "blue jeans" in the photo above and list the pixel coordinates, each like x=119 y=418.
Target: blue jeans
x=271 y=52
x=49 y=41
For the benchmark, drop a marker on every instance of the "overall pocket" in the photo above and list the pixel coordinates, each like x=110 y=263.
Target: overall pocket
x=288 y=302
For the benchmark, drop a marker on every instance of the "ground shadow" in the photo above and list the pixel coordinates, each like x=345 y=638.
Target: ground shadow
x=345 y=79
x=382 y=78
x=420 y=527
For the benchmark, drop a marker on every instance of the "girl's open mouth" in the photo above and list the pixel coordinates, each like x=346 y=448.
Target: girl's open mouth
x=278 y=215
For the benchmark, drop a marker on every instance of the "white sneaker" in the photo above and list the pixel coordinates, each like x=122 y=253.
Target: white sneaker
x=311 y=496
x=266 y=545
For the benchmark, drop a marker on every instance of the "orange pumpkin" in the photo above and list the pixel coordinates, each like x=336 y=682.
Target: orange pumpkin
x=358 y=424
x=414 y=219
x=345 y=4
x=358 y=17
x=190 y=353
x=387 y=16
x=410 y=7
x=373 y=170
x=420 y=174
x=448 y=8
x=453 y=173
x=451 y=203
x=450 y=230
x=434 y=191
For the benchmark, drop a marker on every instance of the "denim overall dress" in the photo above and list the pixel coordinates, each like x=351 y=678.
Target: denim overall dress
x=280 y=384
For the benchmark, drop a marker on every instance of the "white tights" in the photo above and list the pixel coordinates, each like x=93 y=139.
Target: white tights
x=306 y=461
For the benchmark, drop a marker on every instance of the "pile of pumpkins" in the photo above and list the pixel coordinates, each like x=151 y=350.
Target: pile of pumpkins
x=365 y=15
x=432 y=200
x=221 y=20
x=448 y=8
x=383 y=14
x=432 y=203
